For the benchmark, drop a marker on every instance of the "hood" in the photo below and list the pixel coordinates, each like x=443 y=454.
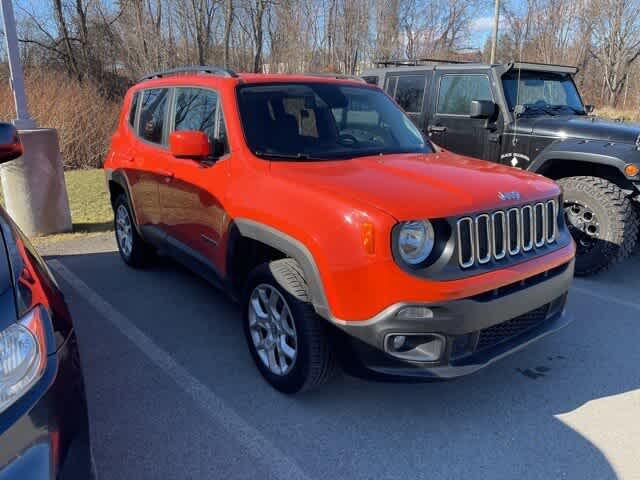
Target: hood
x=589 y=128
x=412 y=186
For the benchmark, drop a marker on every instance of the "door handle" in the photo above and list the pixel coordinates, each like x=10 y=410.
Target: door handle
x=494 y=137
x=436 y=129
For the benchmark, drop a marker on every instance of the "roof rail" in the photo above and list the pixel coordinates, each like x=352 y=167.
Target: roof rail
x=415 y=62
x=210 y=69
x=337 y=76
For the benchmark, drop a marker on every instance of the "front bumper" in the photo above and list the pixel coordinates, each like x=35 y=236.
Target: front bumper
x=477 y=331
x=45 y=434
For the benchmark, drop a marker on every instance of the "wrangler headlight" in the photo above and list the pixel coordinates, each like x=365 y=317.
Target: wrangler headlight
x=415 y=241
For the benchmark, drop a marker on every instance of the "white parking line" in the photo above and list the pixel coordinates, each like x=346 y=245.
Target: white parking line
x=256 y=444
x=606 y=298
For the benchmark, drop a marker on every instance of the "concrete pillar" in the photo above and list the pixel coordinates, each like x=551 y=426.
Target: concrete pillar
x=33 y=185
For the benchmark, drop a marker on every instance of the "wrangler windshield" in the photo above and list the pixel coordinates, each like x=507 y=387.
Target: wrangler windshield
x=551 y=93
x=316 y=121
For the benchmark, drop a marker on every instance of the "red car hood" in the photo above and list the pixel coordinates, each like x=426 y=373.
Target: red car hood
x=410 y=186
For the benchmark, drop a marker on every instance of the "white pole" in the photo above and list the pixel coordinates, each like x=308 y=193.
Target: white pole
x=496 y=23
x=23 y=119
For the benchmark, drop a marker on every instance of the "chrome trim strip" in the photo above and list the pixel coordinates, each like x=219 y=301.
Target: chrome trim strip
x=551 y=236
x=526 y=247
x=469 y=222
x=516 y=250
x=540 y=243
x=209 y=240
x=503 y=253
x=487 y=257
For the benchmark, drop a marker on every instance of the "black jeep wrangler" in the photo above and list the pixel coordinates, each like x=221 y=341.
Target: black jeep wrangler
x=531 y=116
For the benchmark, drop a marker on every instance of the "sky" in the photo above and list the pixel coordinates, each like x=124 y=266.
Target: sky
x=481 y=26
x=481 y=29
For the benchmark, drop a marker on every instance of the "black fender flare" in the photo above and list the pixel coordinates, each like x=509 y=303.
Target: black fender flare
x=291 y=247
x=596 y=152
x=118 y=177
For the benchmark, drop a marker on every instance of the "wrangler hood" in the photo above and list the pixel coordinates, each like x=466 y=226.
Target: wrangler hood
x=582 y=127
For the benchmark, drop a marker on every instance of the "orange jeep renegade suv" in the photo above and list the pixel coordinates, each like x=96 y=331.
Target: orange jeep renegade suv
x=345 y=234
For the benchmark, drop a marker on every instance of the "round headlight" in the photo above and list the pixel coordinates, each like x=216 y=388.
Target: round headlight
x=415 y=241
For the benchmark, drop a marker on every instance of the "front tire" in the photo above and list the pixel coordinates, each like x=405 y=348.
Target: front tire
x=133 y=249
x=288 y=341
x=602 y=221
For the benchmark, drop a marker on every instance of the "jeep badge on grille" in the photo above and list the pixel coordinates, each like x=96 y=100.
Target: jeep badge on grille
x=504 y=196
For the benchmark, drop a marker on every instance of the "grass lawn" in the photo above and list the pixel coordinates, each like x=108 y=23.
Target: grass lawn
x=89 y=201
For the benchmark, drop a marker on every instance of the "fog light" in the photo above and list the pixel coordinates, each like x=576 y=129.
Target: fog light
x=398 y=342
x=414 y=312
x=416 y=347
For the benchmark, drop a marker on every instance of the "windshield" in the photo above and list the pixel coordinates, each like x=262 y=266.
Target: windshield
x=551 y=93
x=309 y=121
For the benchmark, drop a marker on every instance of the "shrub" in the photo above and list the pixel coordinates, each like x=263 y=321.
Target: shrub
x=84 y=118
x=615 y=114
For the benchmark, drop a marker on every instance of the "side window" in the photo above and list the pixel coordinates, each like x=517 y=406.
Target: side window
x=222 y=131
x=458 y=91
x=196 y=110
x=152 y=114
x=371 y=79
x=391 y=85
x=410 y=93
x=134 y=109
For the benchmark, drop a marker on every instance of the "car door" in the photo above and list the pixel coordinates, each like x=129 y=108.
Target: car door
x=408 y=90
x=192 y=200
x=451 y=125
x=149 y=156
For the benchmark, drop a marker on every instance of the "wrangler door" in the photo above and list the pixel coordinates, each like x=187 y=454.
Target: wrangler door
x=451 y=125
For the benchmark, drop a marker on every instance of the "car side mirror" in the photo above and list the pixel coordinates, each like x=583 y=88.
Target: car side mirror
x=190 y=144
x=589 y=109
x=482 y=109
x=10 y=145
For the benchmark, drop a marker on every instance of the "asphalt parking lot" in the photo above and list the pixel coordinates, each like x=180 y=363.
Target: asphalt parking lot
x=173 y=392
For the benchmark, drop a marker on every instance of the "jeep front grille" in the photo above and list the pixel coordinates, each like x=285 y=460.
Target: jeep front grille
x=485 y=237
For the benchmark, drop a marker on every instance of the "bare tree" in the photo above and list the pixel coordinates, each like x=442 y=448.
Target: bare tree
x=616 y=43
x=228 y=25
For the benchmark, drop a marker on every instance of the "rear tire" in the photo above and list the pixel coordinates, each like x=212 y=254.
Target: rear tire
x=602 y=221
x=305 y=360
x=133 y=249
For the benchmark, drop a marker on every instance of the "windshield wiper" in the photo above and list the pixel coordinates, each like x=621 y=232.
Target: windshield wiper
x=524 y=107
x=284 y=156
x=573 y=109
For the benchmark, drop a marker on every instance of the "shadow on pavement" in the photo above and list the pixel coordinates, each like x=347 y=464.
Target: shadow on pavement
x=499 y=423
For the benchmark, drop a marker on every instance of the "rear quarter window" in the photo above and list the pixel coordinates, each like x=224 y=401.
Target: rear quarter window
x=134 y=109
x=410 y=93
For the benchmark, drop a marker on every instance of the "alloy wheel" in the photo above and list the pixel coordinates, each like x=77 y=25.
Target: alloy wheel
x=272 y=329
x=124 y=232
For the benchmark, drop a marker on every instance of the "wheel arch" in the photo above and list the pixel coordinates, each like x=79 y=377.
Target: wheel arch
x=566 y=164
x=117 y=184
x=277 y=245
